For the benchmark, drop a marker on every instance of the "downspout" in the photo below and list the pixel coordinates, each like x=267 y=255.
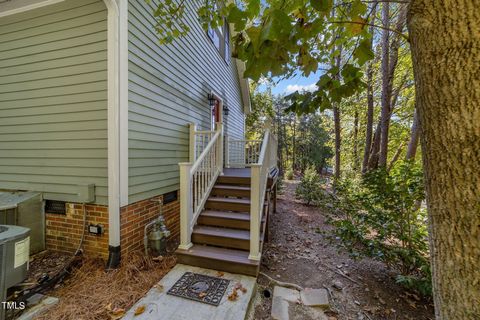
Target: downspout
x=113 y=135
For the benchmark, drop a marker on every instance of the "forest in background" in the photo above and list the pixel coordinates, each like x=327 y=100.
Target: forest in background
x=367 y=148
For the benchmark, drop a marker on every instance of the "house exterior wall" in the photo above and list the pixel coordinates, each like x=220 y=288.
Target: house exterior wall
x=135 y=216
x=168 y=87
x=53 y=99
x=64 y=231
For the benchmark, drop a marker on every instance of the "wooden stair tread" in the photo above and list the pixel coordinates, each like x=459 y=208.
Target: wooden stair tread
x=217 y=253
x=222 y=232
x=231 y=187
x=226 y=215
x=229 y=200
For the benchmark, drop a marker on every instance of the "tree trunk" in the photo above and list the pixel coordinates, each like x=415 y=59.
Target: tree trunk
x=384 y=117
x=396 y=156
x=369 y=125
x=294 y=143
x=336 y=120
x=370 y=101
x=414 y=134
x=445 y=42
x=355 y=143
x=373 y=158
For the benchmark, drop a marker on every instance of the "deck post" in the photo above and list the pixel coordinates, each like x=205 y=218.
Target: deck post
x=192 y=142
x=186 y=213
x=227 y=152
x=255 y=212
x=219 y=150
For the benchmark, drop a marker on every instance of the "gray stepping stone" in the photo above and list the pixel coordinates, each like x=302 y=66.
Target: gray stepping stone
x=315 y=298
x=279 y=308
x=290 y=295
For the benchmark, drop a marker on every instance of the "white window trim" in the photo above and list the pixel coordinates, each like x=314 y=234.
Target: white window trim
x=17 y=6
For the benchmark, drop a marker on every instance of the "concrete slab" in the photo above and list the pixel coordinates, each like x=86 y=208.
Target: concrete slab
x=37 y=305
x=287 y=294
x=160 y=306
x=315 y=297
x=280 y=308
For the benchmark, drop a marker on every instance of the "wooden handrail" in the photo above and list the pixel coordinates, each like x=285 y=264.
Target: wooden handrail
x=205 y=152
x=196 y=181
x=258 y=187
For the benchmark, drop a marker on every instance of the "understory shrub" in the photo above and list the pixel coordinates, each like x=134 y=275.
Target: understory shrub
x=381 y=216
x=309 y=189
x=289 y=174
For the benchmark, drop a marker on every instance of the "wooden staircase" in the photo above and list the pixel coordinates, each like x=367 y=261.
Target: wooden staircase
x=221 y=237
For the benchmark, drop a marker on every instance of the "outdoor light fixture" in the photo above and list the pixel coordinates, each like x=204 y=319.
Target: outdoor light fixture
x=226 y=111
x=211 y=99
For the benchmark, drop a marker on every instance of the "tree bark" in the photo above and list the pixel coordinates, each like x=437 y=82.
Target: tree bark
x=386 y=92
x=370 y=101
x=373 y=158
x=414 y=135
x=336 y=121
x=396 y=156
x=356 y=160
x=445 y=43
x=294 y=143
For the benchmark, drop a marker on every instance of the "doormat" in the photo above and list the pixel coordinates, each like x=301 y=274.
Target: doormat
x=199 y=287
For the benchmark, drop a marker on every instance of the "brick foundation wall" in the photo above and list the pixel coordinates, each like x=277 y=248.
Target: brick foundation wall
x=63 y=232
x=135 y=216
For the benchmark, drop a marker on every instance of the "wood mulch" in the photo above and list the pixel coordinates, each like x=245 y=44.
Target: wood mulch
x=90 y=292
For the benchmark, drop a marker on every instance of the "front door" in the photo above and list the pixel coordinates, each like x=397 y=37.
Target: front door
x=215 y=114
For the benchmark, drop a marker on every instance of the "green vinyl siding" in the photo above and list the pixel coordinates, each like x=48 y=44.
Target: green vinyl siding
x=53 y=99
x=168 y=87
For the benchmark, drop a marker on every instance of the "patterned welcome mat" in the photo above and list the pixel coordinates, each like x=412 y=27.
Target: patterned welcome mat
x=200 y=288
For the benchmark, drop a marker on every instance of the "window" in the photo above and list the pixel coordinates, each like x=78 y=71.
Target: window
x=220 y=37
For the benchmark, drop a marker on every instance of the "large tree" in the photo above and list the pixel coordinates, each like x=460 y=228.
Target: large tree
x=281 y=37
x=445 y=44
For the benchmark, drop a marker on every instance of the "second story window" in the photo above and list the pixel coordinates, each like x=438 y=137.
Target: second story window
x=220 y=37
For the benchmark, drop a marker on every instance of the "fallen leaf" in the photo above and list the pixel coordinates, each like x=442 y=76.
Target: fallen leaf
x=158 y=287
x=117 y=313
x=233 y=296
x=139 y=310
x=202 y=295
x=220 y=274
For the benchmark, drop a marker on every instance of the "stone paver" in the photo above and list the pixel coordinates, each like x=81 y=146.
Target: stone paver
x=280 y=308
x=315 y=297
x=290 y=295
x=160 y=306
x=39 y=304
x=291 y=304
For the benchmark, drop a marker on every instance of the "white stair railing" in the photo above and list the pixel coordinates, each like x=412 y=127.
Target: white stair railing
x=260 y=171
x=197 y=179
x=242 y=153
x=198 y=141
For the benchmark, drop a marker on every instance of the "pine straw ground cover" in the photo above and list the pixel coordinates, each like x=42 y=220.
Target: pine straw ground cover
x=91 y=293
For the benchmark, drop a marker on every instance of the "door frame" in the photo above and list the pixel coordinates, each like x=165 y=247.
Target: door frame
x=220 y=111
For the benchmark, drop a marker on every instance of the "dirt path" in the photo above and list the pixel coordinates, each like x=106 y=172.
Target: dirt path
x=299 y=252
